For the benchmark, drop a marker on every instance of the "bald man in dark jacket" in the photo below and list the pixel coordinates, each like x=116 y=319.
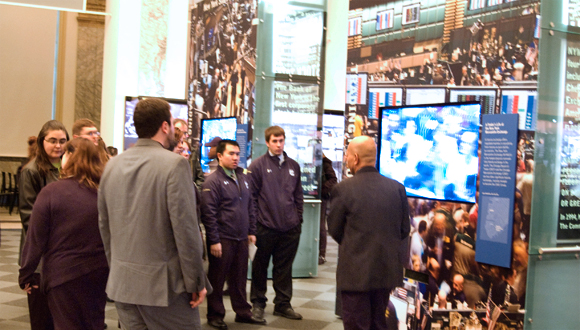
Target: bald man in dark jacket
x=369 y=219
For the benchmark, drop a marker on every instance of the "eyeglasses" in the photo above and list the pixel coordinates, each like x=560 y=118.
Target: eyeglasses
x=54 y=141
x=93 y=134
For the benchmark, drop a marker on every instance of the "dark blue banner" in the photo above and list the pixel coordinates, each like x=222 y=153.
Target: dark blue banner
x=242 y=139
x=497 y=183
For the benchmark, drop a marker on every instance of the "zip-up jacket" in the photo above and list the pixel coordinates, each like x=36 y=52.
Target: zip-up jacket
x=277 y=195
x=225 y=207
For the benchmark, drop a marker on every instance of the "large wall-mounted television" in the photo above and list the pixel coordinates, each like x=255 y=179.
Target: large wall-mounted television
x=179 y=109
x=487 y=96
x=523 y=101
x=432 y=149
x=384 y=97
x=425 y=95
x=223 y=128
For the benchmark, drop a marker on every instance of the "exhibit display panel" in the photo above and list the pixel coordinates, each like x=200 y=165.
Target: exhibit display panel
x=553 y=263
x=296 y=111
x=288 y=92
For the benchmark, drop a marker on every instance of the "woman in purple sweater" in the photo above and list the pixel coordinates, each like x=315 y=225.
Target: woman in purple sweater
x=64 y=232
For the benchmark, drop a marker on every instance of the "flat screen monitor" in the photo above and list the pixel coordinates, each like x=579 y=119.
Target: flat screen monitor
x=523 y=102
x=384 y=97
x=486 y=96
x=179 y=109
x=333 y=140
x=223 y=128
x=432 y=149
x=425 y=95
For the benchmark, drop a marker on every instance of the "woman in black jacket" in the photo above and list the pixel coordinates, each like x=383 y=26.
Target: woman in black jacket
x=39 y=172
x=64 y=232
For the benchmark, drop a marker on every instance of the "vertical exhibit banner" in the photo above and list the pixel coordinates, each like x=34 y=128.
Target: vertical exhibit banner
x=569 y=209
x=496 y=189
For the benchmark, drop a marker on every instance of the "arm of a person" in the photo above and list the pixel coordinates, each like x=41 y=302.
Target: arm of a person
x=255 y=178
x=183 y=218
x=197 y=172
x=406 y=221
x=36 y=238
x=104 y=228
x=337 y=217
x=330 y=177
x=211 y=200
x=299 y=196
x=29 y=189
x=251 y=211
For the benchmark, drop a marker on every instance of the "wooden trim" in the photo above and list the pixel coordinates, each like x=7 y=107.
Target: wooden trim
x=60 y=71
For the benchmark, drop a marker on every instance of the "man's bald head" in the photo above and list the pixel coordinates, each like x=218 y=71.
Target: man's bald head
x=361 y=152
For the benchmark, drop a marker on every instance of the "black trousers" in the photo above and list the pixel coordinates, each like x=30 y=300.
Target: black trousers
x=365 y=310
x=282 y=247
x=233 y=265
x=80 y=303
x=40 y=317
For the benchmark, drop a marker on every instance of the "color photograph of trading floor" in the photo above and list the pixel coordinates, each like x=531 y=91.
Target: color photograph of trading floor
x=314 y=298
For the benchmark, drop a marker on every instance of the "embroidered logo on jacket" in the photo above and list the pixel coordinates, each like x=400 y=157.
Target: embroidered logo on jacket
x=226 y=182
x=247 y=187
x=269 y=170
x=291 y=171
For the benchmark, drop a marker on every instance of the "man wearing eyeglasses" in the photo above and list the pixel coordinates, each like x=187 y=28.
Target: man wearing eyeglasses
x=87 y=129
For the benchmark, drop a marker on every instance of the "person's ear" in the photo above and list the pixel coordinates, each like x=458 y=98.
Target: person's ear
x=165 y=127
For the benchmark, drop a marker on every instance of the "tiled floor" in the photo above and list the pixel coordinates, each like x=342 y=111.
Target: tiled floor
x=313 y=297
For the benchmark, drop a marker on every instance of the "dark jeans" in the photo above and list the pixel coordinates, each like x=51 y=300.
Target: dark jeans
x=40 y=317
x=80 y=303
x=365 y=310
x=282 y=247
x=233 y=265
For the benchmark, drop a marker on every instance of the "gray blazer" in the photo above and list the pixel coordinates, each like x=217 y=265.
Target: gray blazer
x=149 y=226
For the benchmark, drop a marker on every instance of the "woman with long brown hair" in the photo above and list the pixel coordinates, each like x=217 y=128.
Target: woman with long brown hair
x=43 y=169
x=64 y=232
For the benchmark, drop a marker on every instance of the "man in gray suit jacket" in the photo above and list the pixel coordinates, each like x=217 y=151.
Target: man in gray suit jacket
x=369 y=219
x=148 y=223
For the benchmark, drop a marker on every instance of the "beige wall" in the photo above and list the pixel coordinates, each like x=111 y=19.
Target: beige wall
x=27 y=39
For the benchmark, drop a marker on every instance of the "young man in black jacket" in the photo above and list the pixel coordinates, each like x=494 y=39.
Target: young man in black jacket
x=278 y=200
x=230 y=226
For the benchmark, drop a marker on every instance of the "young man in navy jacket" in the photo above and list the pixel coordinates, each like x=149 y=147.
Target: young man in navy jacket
x=277 y=199
x=230 y=226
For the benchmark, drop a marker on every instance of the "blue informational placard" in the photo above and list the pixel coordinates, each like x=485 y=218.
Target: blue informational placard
x=242 y=139
x=497 y=183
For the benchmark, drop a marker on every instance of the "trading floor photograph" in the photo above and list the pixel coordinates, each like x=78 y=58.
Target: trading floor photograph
x=282 y=164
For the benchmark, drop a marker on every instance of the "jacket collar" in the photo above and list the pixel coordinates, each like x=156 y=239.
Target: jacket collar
x=366 y=169
x=147 y=143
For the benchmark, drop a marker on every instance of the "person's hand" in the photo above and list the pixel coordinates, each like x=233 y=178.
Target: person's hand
x=216 y=250
x=28 y=288
x=252 y=239
x=197 y=298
